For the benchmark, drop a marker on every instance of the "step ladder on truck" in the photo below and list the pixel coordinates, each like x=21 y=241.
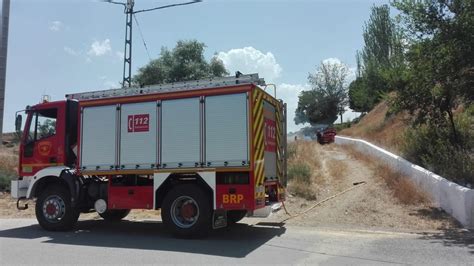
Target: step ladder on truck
x=205 y=152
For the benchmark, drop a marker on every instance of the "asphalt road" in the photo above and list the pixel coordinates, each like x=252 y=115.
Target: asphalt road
x=22 y=241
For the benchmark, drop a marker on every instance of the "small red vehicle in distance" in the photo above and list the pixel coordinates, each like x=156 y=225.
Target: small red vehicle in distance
x=326 y=136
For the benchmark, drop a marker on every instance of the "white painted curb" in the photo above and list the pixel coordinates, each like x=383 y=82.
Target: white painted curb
x=451 y=197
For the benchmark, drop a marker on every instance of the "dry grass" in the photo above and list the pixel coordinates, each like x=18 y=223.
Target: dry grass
x=403 y=189
x=383 y=130
x=304 y=151
x=301 y=189
x=8 y=160
x=336 y=168
x=354 y=153
x=8 y=165
x=304 y=166
x=9 y=154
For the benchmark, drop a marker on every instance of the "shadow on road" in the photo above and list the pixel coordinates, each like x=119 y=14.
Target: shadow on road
x=452 y=237
x=438 y=214
x=236 y=241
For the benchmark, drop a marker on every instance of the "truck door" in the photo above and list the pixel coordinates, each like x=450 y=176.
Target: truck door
x=43 y=139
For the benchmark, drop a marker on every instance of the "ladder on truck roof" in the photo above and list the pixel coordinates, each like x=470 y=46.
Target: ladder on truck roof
x=238 y=79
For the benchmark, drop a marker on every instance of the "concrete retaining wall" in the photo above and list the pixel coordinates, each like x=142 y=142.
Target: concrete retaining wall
x=451 y=197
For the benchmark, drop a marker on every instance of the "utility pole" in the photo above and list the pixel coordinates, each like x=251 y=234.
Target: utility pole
x=3 y=57
x=129 y=13
x=127 y=60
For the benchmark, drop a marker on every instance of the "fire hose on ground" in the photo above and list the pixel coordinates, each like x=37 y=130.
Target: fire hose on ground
x=355 y=185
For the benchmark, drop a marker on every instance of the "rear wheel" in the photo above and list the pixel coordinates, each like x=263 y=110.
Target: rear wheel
x=54 y=211
x=114 y=215
x=186 y=211
x=235 y=216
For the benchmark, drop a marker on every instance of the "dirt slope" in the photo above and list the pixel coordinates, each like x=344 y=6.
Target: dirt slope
x=369 y=206
x=380 y=128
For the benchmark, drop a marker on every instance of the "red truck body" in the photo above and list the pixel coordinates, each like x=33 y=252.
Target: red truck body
x=204 y=153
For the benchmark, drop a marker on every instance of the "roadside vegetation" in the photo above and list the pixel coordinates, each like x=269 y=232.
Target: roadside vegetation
x=401 y=187
x=304 y=167
x=7 y=172
x=433 y=148
x=8 y=161
x=381 y=128
x=415 y=77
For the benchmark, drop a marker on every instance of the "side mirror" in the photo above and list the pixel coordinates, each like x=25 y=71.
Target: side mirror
x=18 y=122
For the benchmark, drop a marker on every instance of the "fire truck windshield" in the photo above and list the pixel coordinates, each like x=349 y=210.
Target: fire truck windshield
x=43 y=125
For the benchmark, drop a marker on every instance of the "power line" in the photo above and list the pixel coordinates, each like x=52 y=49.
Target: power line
x=141 y=35
x=166 y=6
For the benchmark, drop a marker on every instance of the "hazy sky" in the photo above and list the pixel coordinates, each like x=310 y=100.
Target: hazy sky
x=65 y=46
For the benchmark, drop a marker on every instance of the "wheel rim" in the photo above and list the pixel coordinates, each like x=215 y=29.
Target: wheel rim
x=54 y=208
x=184 y=212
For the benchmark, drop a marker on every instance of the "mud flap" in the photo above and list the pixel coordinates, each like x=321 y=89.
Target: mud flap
x=73 y=184
x=219 y=219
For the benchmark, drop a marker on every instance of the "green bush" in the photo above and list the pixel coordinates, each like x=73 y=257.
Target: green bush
x=299 y=172
x=432 y=147
x=342 y=126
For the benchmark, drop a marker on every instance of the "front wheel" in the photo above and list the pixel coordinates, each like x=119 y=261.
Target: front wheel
x=54 y=211
x=187 y=211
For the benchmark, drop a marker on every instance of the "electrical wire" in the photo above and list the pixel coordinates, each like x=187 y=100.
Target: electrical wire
x=141 y=35
x=167 y=6
x=113 y=2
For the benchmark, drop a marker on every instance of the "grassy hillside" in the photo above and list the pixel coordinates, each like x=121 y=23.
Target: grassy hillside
x=423 y=145
x=378 y=128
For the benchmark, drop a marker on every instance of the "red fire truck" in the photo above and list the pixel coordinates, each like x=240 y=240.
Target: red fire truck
x=207 y=153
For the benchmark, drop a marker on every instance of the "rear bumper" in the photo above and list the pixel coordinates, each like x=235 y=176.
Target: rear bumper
x=19 y=188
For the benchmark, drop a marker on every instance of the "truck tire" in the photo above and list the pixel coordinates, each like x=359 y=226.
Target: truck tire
x=187 y=211
x=53 y=209
x=235 y=216
x=114 y=215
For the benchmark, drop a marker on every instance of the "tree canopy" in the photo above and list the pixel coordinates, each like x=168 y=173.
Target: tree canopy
x=185 y=62
x=440 y=59
x=327 y=97
x=379 y=60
